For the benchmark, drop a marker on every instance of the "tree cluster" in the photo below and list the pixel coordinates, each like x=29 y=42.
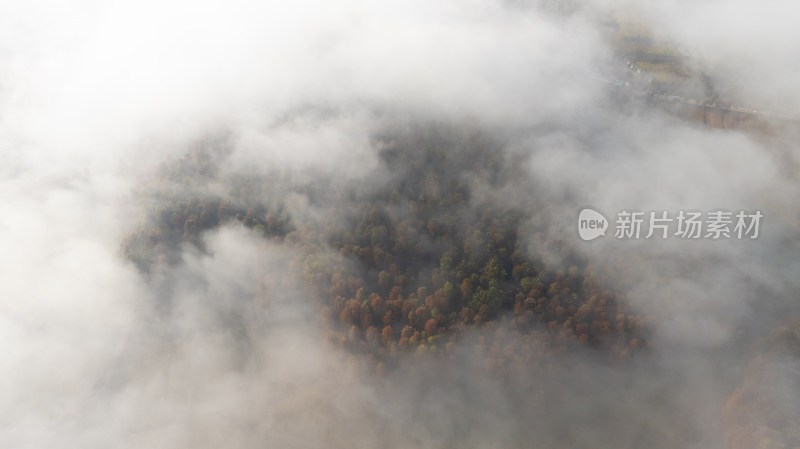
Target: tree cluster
x=407 y=260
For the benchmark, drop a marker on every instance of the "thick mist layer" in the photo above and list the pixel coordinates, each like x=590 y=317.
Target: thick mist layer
x=128 y=323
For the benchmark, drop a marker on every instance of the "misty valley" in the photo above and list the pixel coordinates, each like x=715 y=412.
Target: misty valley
x=378 y=225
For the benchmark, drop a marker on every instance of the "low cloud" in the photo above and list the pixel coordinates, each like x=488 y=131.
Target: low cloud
x=224 y=346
